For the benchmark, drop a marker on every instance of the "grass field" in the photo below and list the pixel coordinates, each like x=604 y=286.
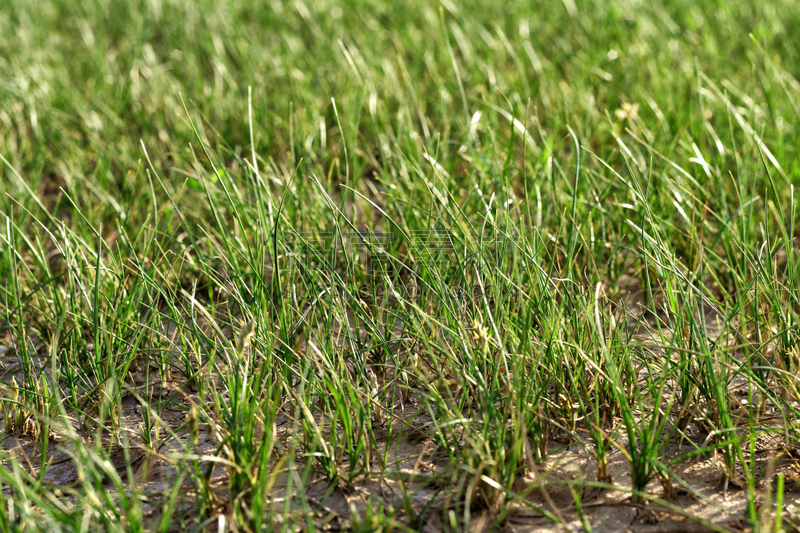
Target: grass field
x=419 y=265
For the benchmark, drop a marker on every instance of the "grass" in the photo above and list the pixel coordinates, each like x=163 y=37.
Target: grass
x=381 y=265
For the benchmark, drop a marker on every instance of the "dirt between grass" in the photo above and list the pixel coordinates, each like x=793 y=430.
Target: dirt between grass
x=699 y=496
x=409 y=485
x=701 y=492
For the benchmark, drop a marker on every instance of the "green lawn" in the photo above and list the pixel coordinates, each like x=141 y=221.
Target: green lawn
x=373 y=265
